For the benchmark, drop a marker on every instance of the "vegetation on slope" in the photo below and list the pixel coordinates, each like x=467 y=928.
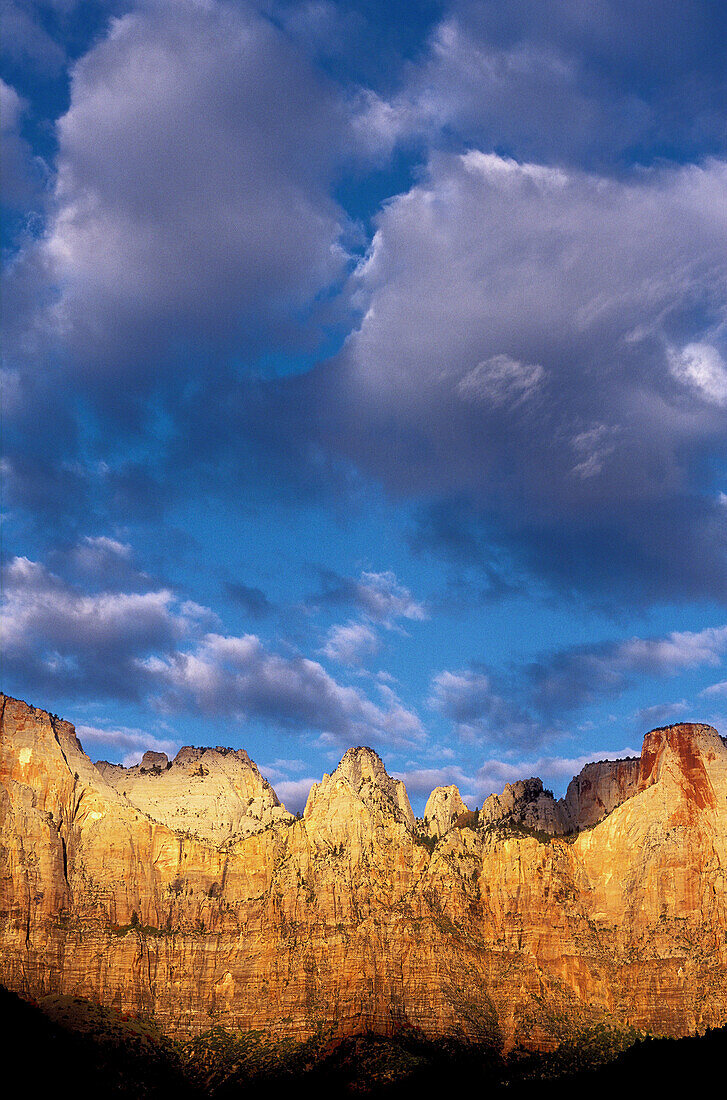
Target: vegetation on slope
x=67 y=1041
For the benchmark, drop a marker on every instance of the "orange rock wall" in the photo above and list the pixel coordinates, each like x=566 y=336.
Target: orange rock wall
x=348 y=920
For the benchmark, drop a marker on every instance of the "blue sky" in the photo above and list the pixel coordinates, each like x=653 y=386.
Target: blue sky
x=365 y=379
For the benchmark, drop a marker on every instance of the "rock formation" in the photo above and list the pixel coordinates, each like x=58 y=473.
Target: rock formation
x=592 y=794
x=216 y=794
x=526 y=803
x=361 y=776
x=350 y=919
x=598 y=790
x=443 y=809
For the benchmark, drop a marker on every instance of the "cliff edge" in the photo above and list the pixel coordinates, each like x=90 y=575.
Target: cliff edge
x=354 y=919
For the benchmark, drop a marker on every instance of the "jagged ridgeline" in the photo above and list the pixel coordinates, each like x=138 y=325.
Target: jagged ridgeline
x=185 y=892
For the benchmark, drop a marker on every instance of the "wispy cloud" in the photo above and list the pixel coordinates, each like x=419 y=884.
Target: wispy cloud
x=574 y=677
x=530 y=703
x=380 y=596
x=238 y=675
x=152 y=645
x=350 y=643
x=716 y=689
x=383 y=602
x=133 y=743
x=477 y=711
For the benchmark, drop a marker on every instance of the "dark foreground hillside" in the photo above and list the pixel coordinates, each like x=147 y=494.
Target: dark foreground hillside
x=71 y=1043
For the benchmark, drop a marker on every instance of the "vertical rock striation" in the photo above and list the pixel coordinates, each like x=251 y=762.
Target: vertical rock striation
x=526 y=803
x=599 y=789
x=350 y=919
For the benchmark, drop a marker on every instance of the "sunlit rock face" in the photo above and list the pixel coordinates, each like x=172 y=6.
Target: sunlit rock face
x=361 y=775
x=351 y=919
x=217 y=794
x=443 y=809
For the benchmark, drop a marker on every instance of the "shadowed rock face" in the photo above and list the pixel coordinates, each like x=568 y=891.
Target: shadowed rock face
x=352 y=920
x=526 y=803
x=592 y=794
x=599 y=789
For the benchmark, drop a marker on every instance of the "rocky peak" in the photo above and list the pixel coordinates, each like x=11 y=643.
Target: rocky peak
x=598 y=789
x=682 y=749
x=444 y=806
x=362 y=764
x=217 y=794
x=361 y=775
x=346 y=921
x=188 y=754
x=526 y=803
x=604 y=785
x=152 y=759
x=682 y=752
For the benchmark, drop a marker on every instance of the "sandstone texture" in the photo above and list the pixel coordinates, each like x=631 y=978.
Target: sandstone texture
x=592 y=794
x=217 y=794
x=526 y=803
x=598 y=790
x=360 y=778
x=443 y=809
x=352 y=919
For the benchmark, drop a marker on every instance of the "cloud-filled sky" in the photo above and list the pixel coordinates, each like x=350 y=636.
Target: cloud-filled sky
x=365 y=378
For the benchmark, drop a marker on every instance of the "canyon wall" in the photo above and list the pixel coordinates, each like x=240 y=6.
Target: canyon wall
x=356 y=917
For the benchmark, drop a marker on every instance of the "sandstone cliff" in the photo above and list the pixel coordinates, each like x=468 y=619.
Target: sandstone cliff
x=443 y=809
x=592 y=794
x=351 y=920
x=599 y=789
x=217 y=794
x=361 y=776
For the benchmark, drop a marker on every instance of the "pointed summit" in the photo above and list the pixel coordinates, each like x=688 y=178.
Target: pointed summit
x=363 y=767
x=348 y=919
x=360 y=780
